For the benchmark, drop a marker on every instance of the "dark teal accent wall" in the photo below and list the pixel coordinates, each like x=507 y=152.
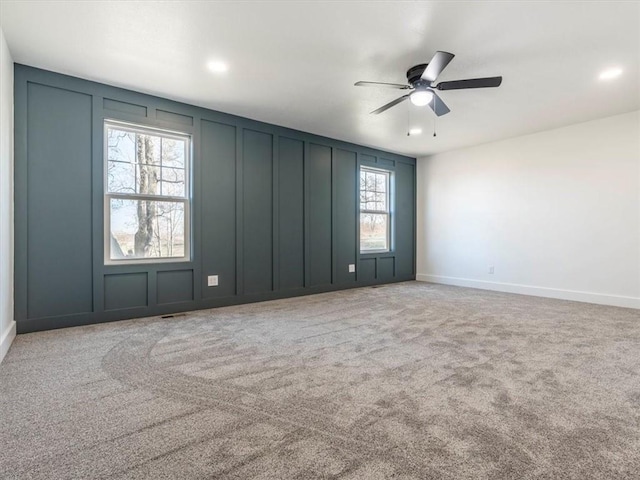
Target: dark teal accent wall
x=274 y=213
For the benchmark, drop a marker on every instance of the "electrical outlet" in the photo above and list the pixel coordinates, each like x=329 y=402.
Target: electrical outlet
x=491 y=269
x=352 y=268
x=212 y=281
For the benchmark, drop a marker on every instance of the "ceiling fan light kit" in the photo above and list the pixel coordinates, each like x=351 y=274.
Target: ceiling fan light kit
x=421 y=80
x=421 y=97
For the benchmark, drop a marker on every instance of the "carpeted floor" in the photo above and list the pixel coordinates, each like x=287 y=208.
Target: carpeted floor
x=406 y=381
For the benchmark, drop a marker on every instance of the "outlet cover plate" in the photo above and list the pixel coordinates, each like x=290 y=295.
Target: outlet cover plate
x=212 y=281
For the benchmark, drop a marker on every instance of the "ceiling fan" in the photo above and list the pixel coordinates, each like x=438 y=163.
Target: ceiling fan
x=421 y=80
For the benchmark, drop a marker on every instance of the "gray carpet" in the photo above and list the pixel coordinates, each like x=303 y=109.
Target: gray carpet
x=406 y=381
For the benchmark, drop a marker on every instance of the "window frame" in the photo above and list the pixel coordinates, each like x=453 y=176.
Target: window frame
x=108 y=196
x=388 y=211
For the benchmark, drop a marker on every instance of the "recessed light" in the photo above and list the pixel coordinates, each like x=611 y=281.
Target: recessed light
x=415 y=131
x=611 y=73
x=217 y=66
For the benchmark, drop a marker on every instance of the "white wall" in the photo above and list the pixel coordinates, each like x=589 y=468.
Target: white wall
x=556 y=213
x=7 y=324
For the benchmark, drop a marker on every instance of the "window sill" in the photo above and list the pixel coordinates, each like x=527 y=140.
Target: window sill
x=148 y=261
x=376 y=253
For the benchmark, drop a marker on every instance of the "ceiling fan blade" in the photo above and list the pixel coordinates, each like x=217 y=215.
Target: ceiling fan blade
x=436 y=65
x=390 y=104
x=382 y=84
x=470 y=83
x=438 y=106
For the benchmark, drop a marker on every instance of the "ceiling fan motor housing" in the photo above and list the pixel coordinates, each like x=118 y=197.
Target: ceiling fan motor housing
x=414 y=73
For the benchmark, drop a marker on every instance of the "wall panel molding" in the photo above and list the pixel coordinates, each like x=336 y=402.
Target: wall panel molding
x=274 y=211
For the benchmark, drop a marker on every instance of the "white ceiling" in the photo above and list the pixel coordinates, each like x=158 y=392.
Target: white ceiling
x=294 y=63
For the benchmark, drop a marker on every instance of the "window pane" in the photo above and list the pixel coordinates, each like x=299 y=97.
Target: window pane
x=363 y=198
x=147 y=179
x=121 y=177
x=173 y=151
x=370 y=181
x=367 y=200
x=373 y=231
x=172 y=183
x=146 y=229
x=373 y=201
x=121 y=145
x=148 y=149
x=369 y=196
x=146 y=164
x=381 y=182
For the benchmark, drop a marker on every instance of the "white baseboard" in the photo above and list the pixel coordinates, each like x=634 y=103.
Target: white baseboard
x=577 y=296
x=7 y=339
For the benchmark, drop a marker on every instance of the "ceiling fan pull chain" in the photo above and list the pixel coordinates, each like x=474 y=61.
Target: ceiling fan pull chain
x=434 y=125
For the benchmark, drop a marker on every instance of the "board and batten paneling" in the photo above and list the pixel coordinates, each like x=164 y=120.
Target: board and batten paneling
x=405 y=220
x=274 y=211
x=59 y=270
x=125 y=290
x=174 y=286
x=257 y=202
x=291 y=213
x=345 y=180
x=318 y=214
x=218 y=206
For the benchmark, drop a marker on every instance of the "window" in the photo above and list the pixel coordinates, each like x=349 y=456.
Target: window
x=147 y=196
x=375 y=217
